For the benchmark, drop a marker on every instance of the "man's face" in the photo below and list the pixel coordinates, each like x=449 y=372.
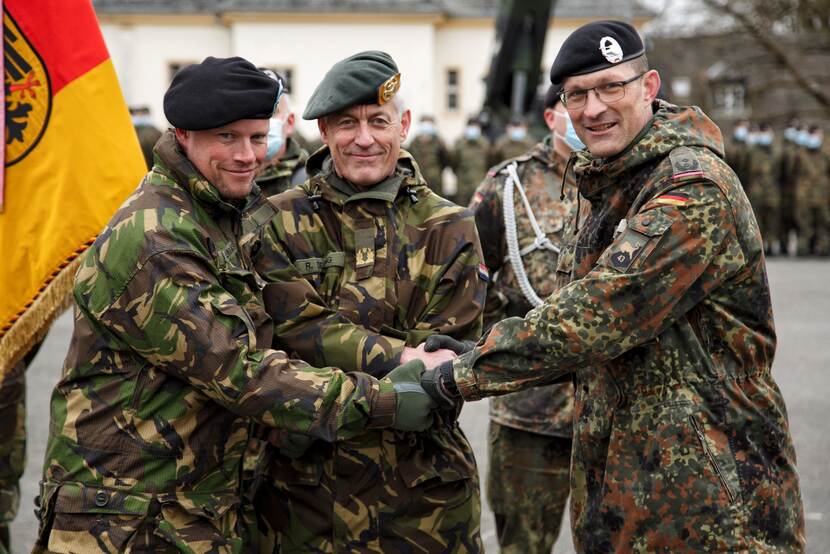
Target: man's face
x=606 y=129
x=365 y=141
x=227 y=156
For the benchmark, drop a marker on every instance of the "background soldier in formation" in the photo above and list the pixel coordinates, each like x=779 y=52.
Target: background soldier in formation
x=471 y=156
x=530 y=431
x=764 y=187
x=385 y=253
x=147 y=133
x=811 y=174
x=284 y=163
x=430 y=153
x=514 y=142
x=737 y=150
x=681 y=439
x=170 y=360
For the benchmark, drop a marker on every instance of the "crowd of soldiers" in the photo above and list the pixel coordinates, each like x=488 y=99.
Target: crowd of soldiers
x=787 y=180
x=279 y=366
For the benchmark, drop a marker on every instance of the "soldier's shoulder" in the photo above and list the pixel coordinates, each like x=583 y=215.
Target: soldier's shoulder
x=501 y=168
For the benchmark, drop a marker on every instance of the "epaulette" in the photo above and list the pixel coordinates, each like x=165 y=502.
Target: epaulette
x=499 y=167
x=684 y=164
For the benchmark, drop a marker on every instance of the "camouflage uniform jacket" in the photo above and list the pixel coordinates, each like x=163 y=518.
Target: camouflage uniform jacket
x=470 y=160
x=507 y=147
x=169 y=363
x=812 y=178
x=400 y=261
x=681 y=440
x=432 y=157
x=546 y=410
x=282 y=174
x=762 y=164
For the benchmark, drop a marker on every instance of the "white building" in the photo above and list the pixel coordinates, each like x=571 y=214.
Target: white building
x=442 y=47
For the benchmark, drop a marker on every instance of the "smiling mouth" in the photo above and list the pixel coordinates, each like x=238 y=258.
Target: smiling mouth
x=601 y=127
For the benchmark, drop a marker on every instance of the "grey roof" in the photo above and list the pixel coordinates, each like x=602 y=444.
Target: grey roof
x=452 y=8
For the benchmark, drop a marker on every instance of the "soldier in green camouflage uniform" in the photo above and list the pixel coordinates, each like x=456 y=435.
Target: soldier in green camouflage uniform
x=811 y=173
x=514 y=142
x=681 y=439
x=392 y=256
x=430 y=153
x=170 y=361
x=471 y=157
x=147 y=133
x=530 y=431
x=12 y=447
x=785 y=174
x=765 y=192
x=284 y=164
x=737 y=151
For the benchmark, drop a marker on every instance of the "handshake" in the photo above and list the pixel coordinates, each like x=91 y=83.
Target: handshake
x=424 y=381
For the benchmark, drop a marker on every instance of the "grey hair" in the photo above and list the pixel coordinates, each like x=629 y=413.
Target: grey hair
x=399 y=104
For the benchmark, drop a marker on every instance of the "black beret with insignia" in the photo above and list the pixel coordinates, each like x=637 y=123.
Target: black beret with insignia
x=369 y=77
x=219 y=91
x=596 y=46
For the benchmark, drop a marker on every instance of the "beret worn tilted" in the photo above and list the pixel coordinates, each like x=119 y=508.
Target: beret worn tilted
x=594 y=47
x=370 y=77
x=219 y=91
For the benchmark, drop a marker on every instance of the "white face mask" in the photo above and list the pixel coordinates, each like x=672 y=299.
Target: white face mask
x=426 y=128
x=472 y=132
x=276 y=137
x=517 y=133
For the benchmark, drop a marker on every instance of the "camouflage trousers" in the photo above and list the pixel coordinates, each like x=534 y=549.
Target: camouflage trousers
x=382 y=492
x=769 y=221
x=813 y=229
x=527 y=487
x=12 y=446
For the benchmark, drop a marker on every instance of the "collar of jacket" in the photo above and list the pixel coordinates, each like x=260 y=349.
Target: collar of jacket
x=171 y=161
x=670 y=127
x=323 y=180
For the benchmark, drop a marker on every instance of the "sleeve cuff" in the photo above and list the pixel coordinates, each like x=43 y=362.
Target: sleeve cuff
x=465 y=377
x=383 y=409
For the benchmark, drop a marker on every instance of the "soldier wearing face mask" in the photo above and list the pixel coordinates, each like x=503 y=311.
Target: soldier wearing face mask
x=471 y=157
x=514 y=142
x=284 y=164
x=430 y=153
x=737 y=150
x=812 y=194
x=765 y=192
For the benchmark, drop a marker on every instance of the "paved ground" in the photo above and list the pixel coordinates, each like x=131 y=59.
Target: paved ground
x=802 y=309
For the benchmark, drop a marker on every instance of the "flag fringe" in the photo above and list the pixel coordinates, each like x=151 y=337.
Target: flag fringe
x=33 y=324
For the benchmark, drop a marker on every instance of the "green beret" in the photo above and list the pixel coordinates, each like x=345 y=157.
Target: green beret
x=366 y=78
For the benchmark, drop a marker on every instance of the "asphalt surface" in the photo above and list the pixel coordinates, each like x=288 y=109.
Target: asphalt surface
x=801 y=299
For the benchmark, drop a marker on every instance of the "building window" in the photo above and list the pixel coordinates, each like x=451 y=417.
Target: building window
x=287 y=74
x=729 y=97
x=453 y=89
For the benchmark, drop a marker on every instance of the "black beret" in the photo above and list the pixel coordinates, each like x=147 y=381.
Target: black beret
x=596 y=46
x=219 y=91
x=365 y=78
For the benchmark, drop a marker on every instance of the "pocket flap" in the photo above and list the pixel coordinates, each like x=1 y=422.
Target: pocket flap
x=80 y=499
x=652 y=223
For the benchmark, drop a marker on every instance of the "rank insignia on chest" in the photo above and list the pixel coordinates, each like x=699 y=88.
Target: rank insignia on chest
x=483 y=273
x=364 y=240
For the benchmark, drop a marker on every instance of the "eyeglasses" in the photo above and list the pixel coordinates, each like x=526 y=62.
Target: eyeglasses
x=608 y=92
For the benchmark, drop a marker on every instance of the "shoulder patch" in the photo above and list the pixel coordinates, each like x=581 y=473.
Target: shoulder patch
x=684 y=164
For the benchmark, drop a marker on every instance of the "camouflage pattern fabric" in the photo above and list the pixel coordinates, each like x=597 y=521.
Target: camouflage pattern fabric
x=547 y=410
x=765 y=192
x=470 y=160
x=432 y=157
x=397 y=260
x=812 y=201
x=506 y=148
x=527 y=487
x=282 y=174
x=168 y=364
x=737 y=156
x=12 y=446
x=681 y=440
x=786 y=177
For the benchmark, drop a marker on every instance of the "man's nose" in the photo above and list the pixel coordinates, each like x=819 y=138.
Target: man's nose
x=593 y=105
x=364 y=137
x=245 y=152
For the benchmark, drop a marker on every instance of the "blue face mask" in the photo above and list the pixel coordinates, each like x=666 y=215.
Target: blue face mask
x=571 y=138
x=472 y=132
x=276 y=138
x=517 y=133
x=802 y=138
x=741 y=133
x=813 y=142
x=764 y=139
x=426 y=128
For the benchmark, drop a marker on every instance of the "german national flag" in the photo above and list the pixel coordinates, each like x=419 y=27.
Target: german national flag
x=71 y=158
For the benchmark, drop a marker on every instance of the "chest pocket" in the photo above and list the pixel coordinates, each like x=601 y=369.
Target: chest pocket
x=639 y=239
x=564 y=266
x=324 y=273
x=245 y=286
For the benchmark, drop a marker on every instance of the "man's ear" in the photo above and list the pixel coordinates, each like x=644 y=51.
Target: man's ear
x=651 y=85
x=406 y=122
x=322 y=126
x=289 y=124
x=181 y=137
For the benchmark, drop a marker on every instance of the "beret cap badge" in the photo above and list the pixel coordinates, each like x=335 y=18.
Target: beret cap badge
x=611 y=49
x=388 y=89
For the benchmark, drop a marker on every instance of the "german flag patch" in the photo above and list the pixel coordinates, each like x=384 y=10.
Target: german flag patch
x=672 y=199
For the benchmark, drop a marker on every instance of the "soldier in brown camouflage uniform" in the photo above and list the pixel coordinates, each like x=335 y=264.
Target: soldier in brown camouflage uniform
x=284 y=164
x=384 y=252
x=530 y=431
x=170 y=360
x=430 y=154
x=681 y=439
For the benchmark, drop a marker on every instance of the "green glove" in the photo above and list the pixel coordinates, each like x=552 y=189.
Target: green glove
x=413 y=406
x=435 y=342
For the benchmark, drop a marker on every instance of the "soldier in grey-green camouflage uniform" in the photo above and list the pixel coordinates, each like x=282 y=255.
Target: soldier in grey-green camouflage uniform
x=514 y=142
x=664 y=322
x=284 y=164
x=386 y=253
x=170 y=360
x=521 y=211
x=471 y=157
x=430 y=153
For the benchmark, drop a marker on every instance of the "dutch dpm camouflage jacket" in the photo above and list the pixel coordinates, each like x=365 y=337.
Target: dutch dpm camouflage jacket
x=169 y=363
x=401 y=263
x=681 y=440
